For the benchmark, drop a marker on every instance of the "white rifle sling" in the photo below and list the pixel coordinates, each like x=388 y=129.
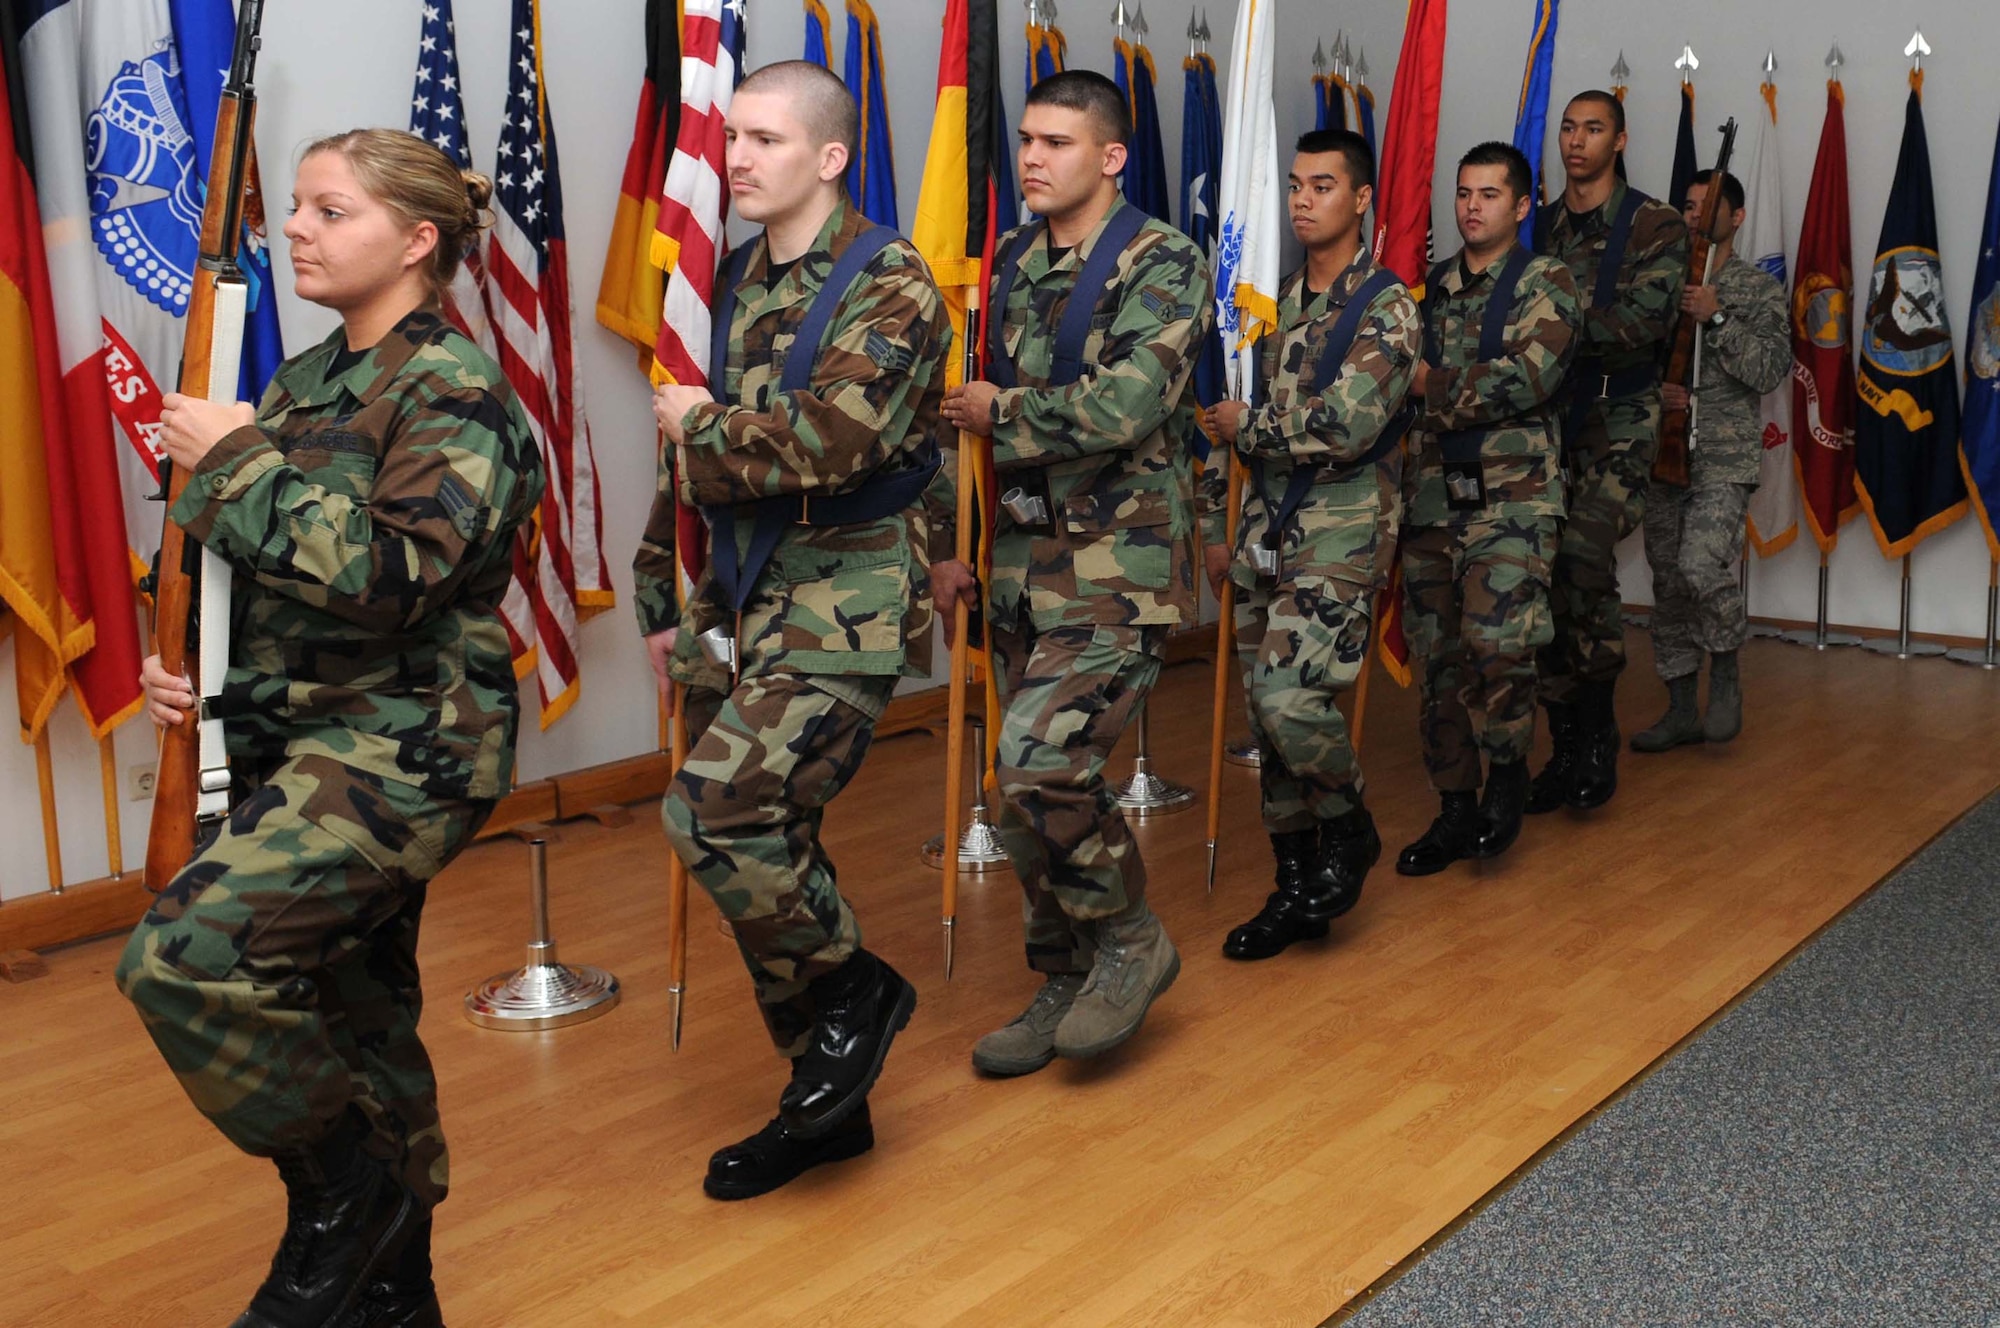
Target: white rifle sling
x=224 y=376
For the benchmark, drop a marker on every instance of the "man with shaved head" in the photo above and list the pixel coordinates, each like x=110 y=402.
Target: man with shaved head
x=809 y=456
x=1628 y=254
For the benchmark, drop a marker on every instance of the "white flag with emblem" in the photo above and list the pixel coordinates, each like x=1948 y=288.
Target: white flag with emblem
x=1774 y=508
x=1246 y=265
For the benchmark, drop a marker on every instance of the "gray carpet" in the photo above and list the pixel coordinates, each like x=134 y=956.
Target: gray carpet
x=1828 y=1153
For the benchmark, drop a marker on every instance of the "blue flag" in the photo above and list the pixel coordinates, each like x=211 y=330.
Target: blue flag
x=1366 y=101
x=1322 y=104
x=871 y=176
x=1146 y=163
x=205 y=35
x=1201 y=184
x=1531 y=114
x=819 y=34
x=1047 y=50
x=1979 y=443
x=1906 y=430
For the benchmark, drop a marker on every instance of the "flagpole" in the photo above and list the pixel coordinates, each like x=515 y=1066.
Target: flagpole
x=1224 y=653
x=675 y=722
x=107 y=771
x=45 y=778
x=954 y=773
x=1988 y=658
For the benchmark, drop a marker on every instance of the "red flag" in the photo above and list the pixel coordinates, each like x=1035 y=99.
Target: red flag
x=1409 y=148
x=1822 y=316
x=65 y=569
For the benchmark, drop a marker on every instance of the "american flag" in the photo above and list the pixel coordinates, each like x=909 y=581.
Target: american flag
x=527 y=293
x=437 y=114
x=688 y=240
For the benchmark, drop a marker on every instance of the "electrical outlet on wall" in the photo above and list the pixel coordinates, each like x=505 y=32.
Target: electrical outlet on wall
x=139 y=782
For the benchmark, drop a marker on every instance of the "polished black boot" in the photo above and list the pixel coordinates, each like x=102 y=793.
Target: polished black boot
x=775 y=1156
x=402 y=1294
x=861 y=1006
x=1283 y=918
x=346 y=1217
x=1596 y=775
x=1449 y=838
x=1500 y=809
x=1348 y=847
x=1550 y=788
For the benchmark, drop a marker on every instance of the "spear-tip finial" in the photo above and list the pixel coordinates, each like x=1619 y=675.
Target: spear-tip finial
x=1361 y=65
x=1319 y=58
x=1687 y=64
x=1917 y=50
x=1620 y=71
x=1834 y=60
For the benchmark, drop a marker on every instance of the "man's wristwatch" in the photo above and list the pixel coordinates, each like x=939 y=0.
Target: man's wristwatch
x=1718 y=318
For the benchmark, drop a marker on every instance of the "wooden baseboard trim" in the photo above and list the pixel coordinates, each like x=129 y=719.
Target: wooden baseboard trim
x=36 y=922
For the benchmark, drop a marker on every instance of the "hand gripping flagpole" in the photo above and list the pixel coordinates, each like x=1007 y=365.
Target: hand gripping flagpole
x=961 y=649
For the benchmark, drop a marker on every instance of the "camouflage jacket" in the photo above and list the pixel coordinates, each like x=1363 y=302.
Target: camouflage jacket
x=1510 y=400
x=1345 y=529
x=833 y=600
x=1111 y=448
x=1634 y=329
x=1748 y=356
x=371 y=517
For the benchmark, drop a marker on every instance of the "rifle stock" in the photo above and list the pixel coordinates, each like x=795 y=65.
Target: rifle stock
x=177 y=785
x=1671 y=461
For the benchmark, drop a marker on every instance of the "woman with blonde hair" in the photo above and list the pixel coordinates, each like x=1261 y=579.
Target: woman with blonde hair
x=370 y=510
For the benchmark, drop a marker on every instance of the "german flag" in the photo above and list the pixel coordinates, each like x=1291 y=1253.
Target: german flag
x=65 y=583
x=632 y=291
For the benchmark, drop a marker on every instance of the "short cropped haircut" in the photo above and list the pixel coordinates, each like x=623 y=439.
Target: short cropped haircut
x=1732 y=188
x=1092 y=93
x=1520 y=177
x=1360 y=157
x=821 y=101
x=1616 y=106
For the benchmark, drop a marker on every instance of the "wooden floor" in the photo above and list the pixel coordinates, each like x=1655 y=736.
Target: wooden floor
x=1280 y=1135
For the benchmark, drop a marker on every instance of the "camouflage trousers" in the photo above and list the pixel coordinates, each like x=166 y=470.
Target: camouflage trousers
x=1694 y=542
x=1476 y=609
x=744 y=813
x=1608 y=475
x=1301 y=643
x=277 y=973
x=1066 y=696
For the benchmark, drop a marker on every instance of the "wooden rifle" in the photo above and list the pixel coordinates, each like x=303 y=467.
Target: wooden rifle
x=1679 y=430
x=211 y=361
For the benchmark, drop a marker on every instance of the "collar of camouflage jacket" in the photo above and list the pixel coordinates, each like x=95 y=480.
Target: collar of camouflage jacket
x=306 y=383
x=1035 y=263
x=759 y=298
x=1459 y=276
x=1599 y=217
x=1337 y=293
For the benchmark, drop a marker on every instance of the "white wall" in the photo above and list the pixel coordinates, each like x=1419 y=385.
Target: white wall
x=327 y=68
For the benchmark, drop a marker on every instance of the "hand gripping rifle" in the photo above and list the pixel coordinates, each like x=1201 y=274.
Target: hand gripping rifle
x=1680 y=432
x=193 y=781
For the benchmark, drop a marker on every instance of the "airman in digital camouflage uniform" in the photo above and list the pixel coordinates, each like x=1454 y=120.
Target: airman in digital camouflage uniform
x=1483 y=502
x=369 y=509
x=815 y=459
x=1611 y=433
x=1092 y=557
x=1694 y=534
x=1317 y=535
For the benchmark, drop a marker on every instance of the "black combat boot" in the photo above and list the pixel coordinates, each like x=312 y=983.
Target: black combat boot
x=1500 y=809
x=346 y=1217
x=861 y=1006
x=1283 y=918
x=775 y=1156
x=1724 y=719
x=1449 y=838
x=402 y=1294
x=1550 y=788
x=1680 y=725
x=1348 y=847
x=1596 y=776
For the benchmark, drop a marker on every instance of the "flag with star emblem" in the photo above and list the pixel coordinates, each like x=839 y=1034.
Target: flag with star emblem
x=437 y=115
x=1201 y=169
x=527 y=289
